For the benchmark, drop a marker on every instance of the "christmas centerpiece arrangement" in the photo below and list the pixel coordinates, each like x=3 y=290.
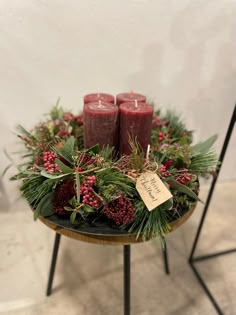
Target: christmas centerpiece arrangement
x=124 y=165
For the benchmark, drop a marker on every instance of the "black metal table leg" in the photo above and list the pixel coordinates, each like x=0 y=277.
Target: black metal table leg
x=205 y=288
x=53 y=263
x=126 y=279
x=210 y=194
x=165 y=259
x=192 y=258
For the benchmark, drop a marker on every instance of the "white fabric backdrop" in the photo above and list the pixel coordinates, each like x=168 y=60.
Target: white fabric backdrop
x=179 y=53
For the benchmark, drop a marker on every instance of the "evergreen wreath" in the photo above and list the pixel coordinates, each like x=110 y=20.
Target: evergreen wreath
x=58 y=176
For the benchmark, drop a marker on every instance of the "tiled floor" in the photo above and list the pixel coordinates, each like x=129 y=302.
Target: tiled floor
x=89 y=278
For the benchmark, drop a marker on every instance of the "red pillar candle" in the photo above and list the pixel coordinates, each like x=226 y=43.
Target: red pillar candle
x=100 y=124
x=95 y=97
x=128 y=97
x=135 y=122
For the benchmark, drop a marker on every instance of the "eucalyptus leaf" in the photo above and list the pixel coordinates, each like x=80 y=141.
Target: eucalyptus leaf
x=25 y=172
x=73 y=217
x=52 y=176
x=67 y=150
x=68 y=208
x=64 y=168
x=73 y=202
x=203 y=147
x=69 y=145
x=183 y=189
x=88 y=209
x=44 y=207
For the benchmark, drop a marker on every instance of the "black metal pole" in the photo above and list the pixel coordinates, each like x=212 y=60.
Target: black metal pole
x=53 y=263
x=165 y=259
x=221 y=158
x=126 y=279
x=213 y=301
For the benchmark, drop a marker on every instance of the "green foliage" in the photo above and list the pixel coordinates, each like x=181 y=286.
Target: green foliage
x=94 y=149
x=177 y=128
x=108 y=178
x=204 y=164
x=203 y=147
x=57 y=111
x=35 y=188
x=64 y=168
x=149 y=224
x=181 y=155
x=44 y=208
x=182 y=188
x=109 y=192
x=67 y=150
x=136 y=157
x=204 y=159
x=25 y=133
x=78 y=208
x=175 y=121
x=73 y=217
x=107 y=153
x=52 y=175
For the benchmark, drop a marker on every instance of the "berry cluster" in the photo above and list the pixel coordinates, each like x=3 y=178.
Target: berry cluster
x=162 y=136
x=168 y=163
x=86 y=160
x=158 y=122
x=64 y=133
x=120 y=210
x=164 y=171
x=70 y=117
x=87 y=192
x=49 y=162
x=164 y=168
x=183 y=178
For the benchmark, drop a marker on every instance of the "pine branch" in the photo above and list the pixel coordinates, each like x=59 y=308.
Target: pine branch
x=150 y=224
x=203 y=163
x=108 y=177
x=35 y=188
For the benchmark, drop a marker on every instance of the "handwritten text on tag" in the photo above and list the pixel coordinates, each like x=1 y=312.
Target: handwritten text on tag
x=152 y=190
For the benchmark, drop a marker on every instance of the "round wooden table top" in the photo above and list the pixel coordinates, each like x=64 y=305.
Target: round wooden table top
x=101 y=233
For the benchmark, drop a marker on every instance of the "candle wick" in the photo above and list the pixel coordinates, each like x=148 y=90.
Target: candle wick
x=148 y=151
x=136 y=103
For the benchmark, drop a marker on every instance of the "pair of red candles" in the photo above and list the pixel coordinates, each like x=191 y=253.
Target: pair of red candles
x=113 y=125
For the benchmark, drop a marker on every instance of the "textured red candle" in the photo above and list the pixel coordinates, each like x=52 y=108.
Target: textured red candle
x=135 y=122
x=94 y=97
x=100 y=124
x=128 y=97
